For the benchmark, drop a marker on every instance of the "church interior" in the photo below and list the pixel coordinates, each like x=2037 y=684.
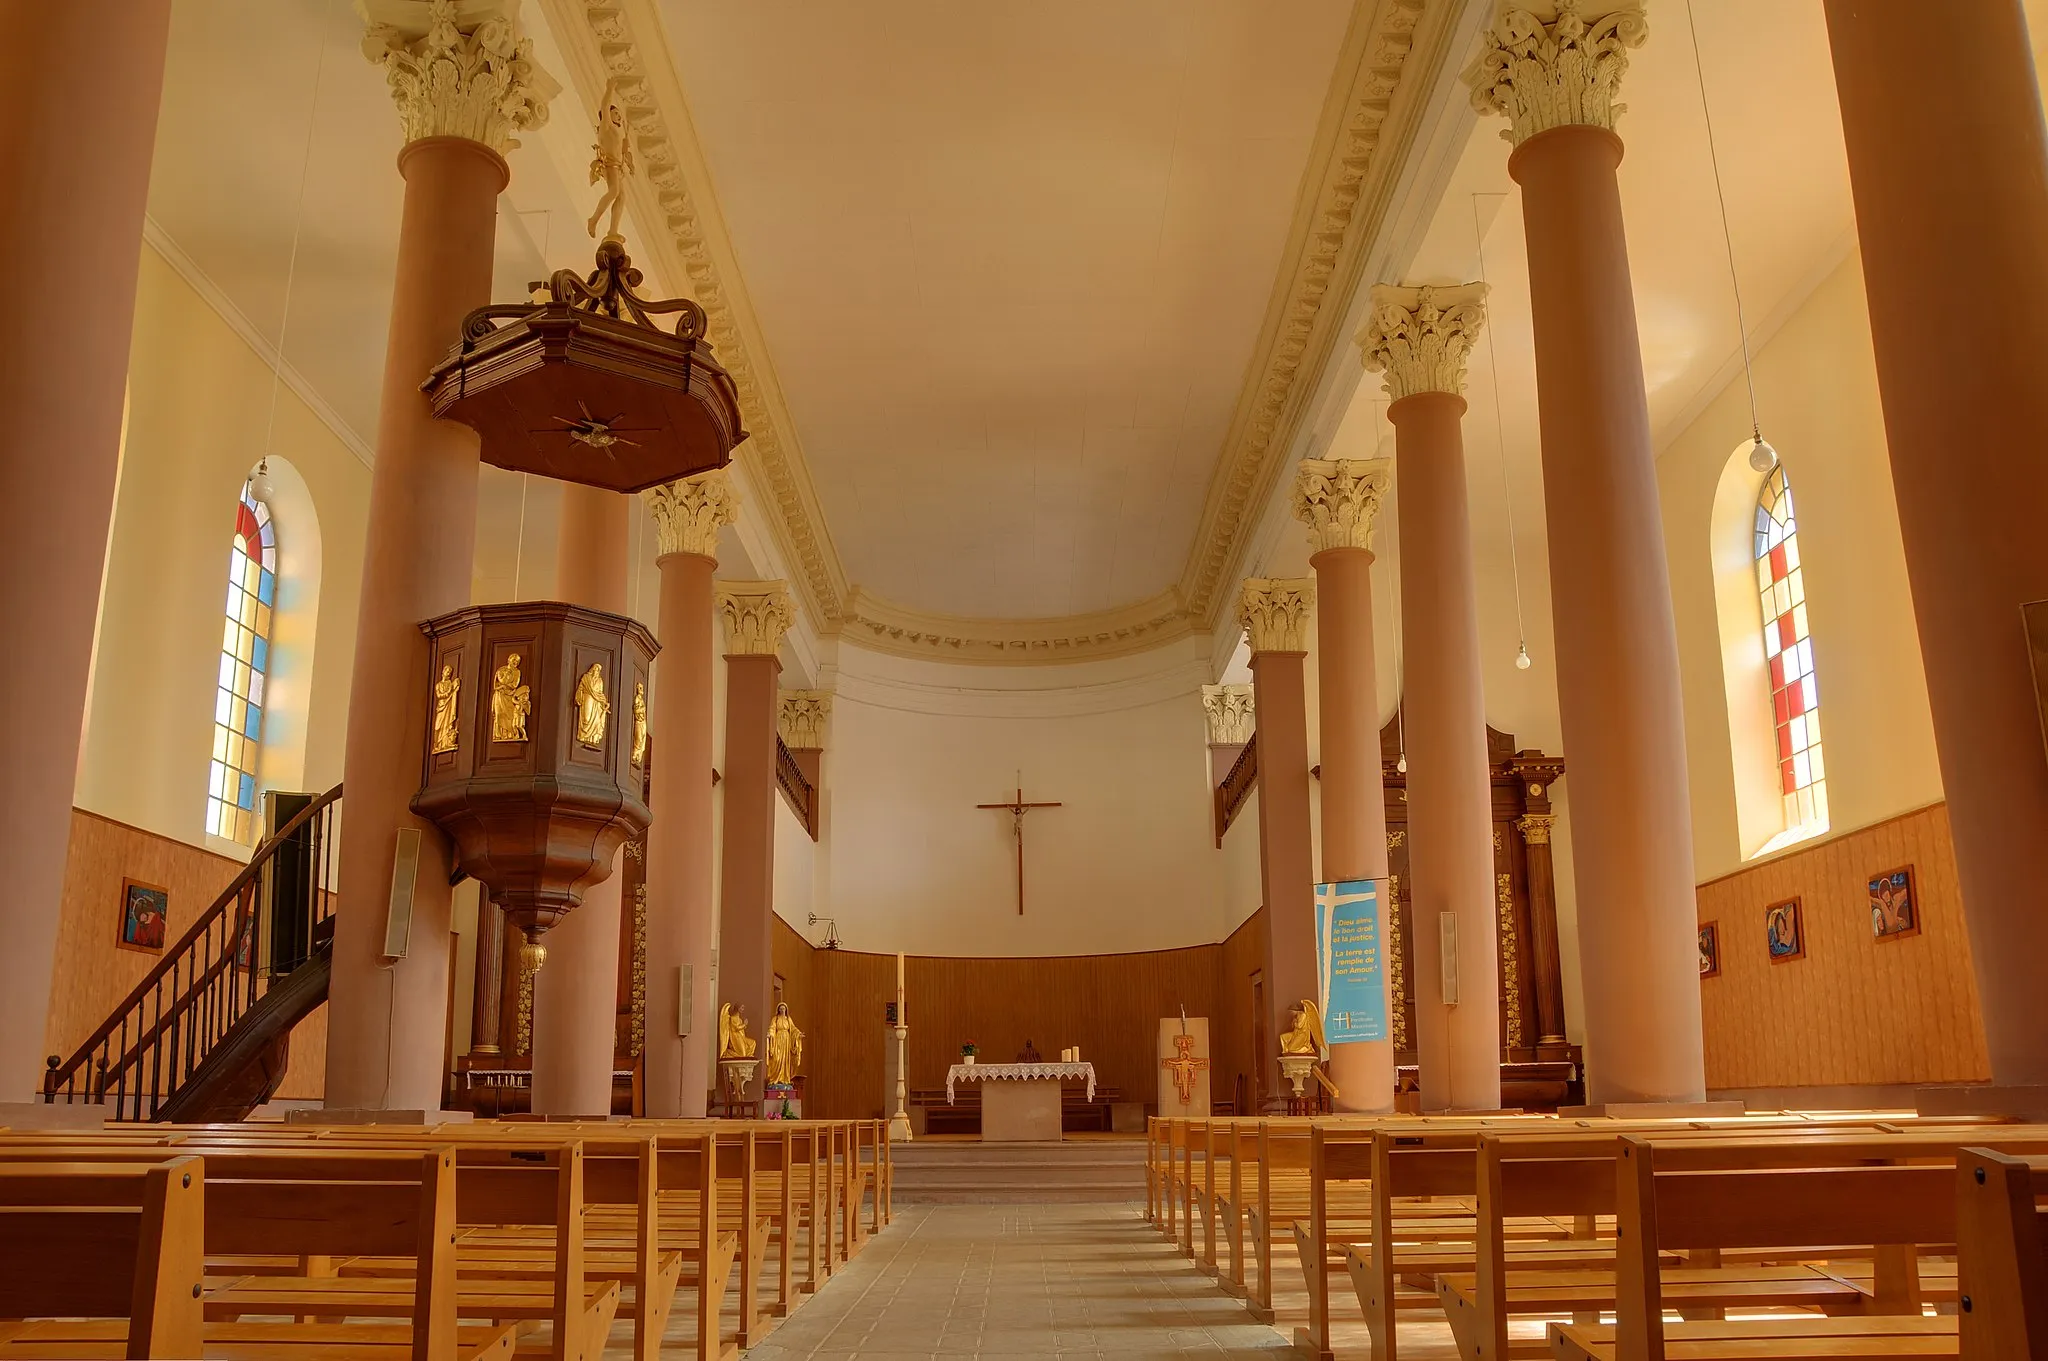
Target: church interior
x=1110 y=677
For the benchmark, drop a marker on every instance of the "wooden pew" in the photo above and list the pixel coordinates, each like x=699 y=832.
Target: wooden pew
x=2002 y=1254
x=97 y=1241
x=1237 y=1147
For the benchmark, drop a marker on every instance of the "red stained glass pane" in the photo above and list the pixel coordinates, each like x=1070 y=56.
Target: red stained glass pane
x=1778 y=567
x=1784 y=743
x=1787 y=634
x=1777 y=672
x=1790 y=776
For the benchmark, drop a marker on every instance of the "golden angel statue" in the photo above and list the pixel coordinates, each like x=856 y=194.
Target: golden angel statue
x=511 y=701
x=593 y=707
x=444 y=709
x=613 y=159
x=1305 y=1039
x=639 y=723
x=785 y=1047
x=733 y=1040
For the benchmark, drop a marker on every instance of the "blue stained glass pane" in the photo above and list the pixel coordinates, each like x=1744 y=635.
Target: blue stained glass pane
x=253 y=725
x=247 y=797
x=259 y=655
x=266 y=589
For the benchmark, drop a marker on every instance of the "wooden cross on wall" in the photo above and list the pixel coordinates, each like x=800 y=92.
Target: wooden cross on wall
x=1017 y=808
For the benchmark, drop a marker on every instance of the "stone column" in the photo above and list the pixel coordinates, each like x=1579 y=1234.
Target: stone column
x=1419 y=338
x=1942 y=119
x=756 y=614
x=682 y=920
x=801 y=725
x=1338 y=500
x=462 y=92
x=575 y=996
x=1231 y=716
x=79 y=85
x=1275 y=615
x=1555 y=79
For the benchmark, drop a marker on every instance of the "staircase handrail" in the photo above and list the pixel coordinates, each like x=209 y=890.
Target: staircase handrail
x=173 y=956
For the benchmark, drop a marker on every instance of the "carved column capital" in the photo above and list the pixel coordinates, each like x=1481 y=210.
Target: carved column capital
x=1231 y=714
x=801 y=720
x=1419 y=338
x=1535 y=828
x=756 y=615
x=1275 y=611
x=1551 y=65
x=1339 y=498
x=458 y=68
x=689 y=512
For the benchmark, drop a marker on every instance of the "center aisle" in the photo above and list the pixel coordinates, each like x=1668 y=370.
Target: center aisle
x=1077 y=1281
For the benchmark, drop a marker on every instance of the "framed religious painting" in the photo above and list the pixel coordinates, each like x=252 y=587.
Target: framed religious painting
x=1894 y=906
x=1710 y=949
x=145 y=916
x=1785 y=931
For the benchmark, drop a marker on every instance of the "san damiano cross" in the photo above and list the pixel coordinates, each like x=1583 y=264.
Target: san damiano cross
x=1017 y=808
x=1184 y=1065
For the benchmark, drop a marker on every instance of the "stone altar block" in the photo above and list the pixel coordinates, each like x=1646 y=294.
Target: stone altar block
x=1193 y=1067
x=1020 y=1102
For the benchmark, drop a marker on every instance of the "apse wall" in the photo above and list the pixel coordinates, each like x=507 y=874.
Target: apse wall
x=1127 y=862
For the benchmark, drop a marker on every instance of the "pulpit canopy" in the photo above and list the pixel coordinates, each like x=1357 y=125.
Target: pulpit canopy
x=583 y=386
x=537 y=748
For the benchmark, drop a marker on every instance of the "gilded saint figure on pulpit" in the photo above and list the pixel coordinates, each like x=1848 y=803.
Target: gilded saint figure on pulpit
x=639 y=724
x=785 y=1047
x=593 y=707
x=445 y=690
x=511 y=701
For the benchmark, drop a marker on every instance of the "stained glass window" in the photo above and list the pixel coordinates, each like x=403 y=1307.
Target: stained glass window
x=244 y=667
x=1795 y=692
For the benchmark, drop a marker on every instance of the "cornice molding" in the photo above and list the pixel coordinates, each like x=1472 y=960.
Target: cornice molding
x=887 y=627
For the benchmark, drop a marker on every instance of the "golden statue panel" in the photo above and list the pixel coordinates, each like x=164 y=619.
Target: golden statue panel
x=733 y=1040
x=593 y=707
x=511 y=701
x=785 y=1048
x=639 y=723
x=445 y=690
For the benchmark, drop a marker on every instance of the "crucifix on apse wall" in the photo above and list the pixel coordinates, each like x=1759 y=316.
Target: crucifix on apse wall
x=1017 y=808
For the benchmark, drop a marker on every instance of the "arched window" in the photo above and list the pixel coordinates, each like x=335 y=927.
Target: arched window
x=1795 y=697
x=244 y=662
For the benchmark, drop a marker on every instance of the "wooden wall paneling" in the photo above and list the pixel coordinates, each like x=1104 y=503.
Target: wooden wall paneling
x=1855 y=1010
x=1233 y=1058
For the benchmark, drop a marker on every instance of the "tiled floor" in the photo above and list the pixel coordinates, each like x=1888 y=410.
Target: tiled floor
x=1015 y=1281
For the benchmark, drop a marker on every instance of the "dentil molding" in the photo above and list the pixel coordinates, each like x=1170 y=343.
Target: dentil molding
x=458 y=68
x=802 y=718
x=1275 y=612
x=689 y=512
x=1231 y=713
x=1418 y=339
x=756 y=615
x=1339 y=499
x=887 y=627
x=1556 y=65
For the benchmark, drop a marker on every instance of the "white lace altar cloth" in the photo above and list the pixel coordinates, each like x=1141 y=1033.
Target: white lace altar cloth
x=1017 y=1072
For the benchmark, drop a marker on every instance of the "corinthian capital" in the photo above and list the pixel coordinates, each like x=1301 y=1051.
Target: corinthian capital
x=802 y=719
x=689 y=512
x=1230 y=712
x=1339 y=498
x=1553 y=65
x=1275 y=612
x=756 y=614
x=458 y=68
x=1419 y=338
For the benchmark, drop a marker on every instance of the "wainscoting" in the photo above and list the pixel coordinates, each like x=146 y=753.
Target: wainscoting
x=1855 y=1011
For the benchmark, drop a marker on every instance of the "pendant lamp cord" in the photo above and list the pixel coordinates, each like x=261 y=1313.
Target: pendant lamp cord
x=291 y=268
x=1500 y=444
x=1756 y=429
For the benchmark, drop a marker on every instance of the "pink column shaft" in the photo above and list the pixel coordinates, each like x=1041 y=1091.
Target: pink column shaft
x=1286 y=860
x=385 y=1017
x=1948 y=161
x=575 y=995
x=682 y=920
x=79 y=85
x=1617 y=648
x=746 y=922
x=1450 y=795
x=1354 y=794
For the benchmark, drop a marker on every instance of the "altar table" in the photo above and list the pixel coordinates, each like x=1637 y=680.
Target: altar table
x=1020 y=1102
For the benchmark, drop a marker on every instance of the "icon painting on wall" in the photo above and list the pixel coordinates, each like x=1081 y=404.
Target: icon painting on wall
x=1894 y=910
x=1785 y=931
x=1710 y=949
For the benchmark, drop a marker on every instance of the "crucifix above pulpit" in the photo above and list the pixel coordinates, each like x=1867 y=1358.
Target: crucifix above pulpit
x=1017 y=808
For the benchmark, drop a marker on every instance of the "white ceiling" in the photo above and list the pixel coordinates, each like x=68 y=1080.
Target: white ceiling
x=1010 y=261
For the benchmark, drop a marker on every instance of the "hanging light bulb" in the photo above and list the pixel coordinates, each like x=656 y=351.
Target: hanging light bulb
x=260 y=485
x=1402 y=764
x=1762 y=457
x=1522 y=657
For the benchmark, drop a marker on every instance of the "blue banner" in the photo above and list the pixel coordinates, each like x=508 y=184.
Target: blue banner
x=1348 y=964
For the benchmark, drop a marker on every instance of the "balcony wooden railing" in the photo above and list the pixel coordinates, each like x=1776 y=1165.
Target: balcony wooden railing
x=796 y=787
x=208 y=979
x=1236 y=787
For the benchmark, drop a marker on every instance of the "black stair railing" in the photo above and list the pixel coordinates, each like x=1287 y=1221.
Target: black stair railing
x=264 y=924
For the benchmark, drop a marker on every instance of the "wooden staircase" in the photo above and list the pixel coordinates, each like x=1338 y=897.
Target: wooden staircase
x=206 y=1035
